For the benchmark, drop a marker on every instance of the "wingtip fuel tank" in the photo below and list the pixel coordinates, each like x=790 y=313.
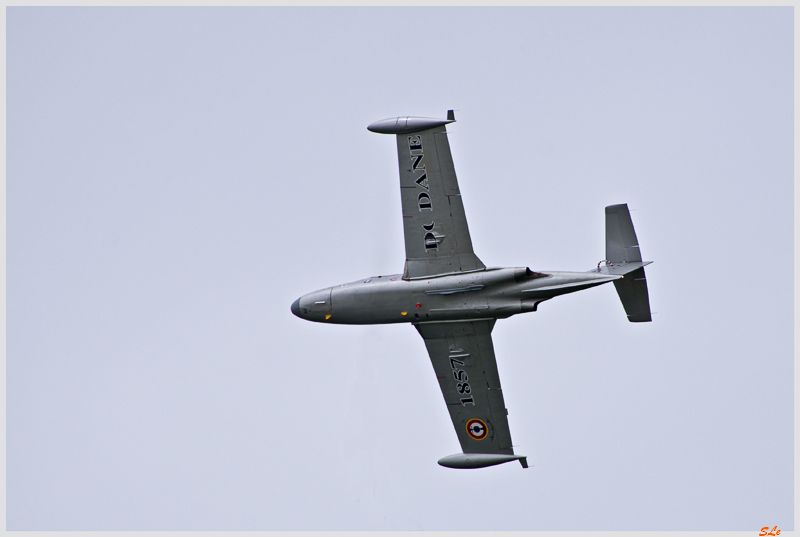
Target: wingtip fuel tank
x=480 y=460
x=406 y=125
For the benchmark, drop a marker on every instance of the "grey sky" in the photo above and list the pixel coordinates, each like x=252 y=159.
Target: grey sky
x=176 y=177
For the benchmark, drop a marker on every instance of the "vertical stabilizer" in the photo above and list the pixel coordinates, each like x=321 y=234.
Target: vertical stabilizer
x=622 y=248
x=621 y=243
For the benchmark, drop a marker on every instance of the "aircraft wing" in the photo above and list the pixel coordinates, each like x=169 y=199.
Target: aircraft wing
x=463 y=359
x=434 y=224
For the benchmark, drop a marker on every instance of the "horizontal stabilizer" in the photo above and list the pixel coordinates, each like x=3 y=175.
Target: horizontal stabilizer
x=480 y=460
x=632 y=291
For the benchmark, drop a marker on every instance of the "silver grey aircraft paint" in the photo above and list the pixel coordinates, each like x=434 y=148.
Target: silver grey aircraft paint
x=454 y=300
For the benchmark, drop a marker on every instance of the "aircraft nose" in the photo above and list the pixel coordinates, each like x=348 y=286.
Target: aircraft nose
x=296 y=307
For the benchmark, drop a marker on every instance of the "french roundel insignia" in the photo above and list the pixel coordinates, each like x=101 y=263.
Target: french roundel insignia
x=477 y=429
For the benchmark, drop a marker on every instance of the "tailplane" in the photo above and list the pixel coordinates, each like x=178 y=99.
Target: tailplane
x=624 y=258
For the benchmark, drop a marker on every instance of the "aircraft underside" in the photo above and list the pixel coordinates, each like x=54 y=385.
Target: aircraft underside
x=453 y=300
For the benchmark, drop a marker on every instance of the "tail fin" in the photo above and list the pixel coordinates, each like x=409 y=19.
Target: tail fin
x=625 y=258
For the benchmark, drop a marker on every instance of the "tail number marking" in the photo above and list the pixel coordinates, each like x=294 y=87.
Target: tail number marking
x=462 y=386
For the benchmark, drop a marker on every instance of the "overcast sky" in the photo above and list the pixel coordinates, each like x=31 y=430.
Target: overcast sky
x=176 y=177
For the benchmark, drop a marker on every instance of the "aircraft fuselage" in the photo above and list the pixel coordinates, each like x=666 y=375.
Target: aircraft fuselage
x=493 y=293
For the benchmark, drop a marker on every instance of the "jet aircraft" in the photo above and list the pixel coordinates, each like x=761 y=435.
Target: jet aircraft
x=454 y=300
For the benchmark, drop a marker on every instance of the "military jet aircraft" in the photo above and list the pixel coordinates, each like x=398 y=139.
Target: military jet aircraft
x=454 y=300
